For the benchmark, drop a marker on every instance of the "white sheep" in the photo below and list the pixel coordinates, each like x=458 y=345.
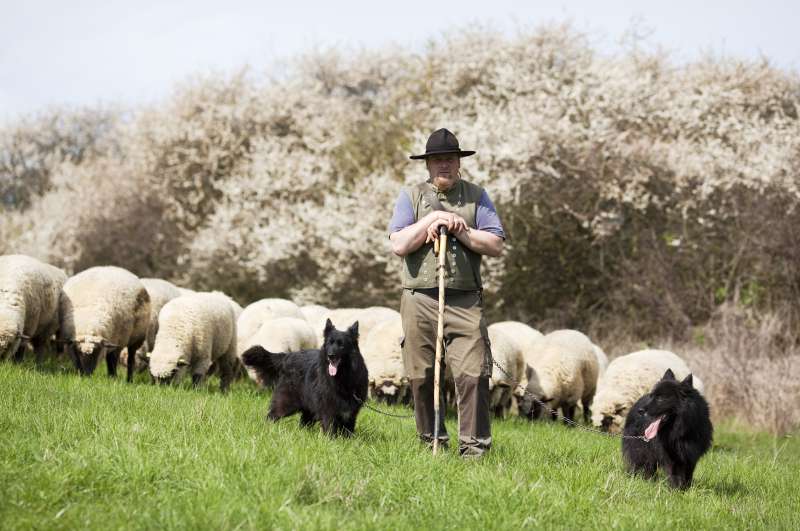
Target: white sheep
x=161 y=292
x=282 y=334
x=562 y=371
x=29 y=297
x=381 y=348
x=257 y=313
x=313 y=312
x=525 y=338
x=194 y=332
x=523 y=335
x=602 y=359
x=628 y=378
x=103 y=310
x=506 y=352
x=237 y=308
x=342 y=318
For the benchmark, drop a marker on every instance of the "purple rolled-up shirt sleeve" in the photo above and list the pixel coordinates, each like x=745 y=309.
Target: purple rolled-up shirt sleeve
x=486 y=217
x=403 y=214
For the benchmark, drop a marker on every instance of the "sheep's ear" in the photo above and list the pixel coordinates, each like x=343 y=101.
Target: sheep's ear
x=328 y=327
x=182 y=362
x=687 y=381
x=353 y=330
x=669 y=375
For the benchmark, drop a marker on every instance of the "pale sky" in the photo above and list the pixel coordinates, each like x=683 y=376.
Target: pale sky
x=62 y=52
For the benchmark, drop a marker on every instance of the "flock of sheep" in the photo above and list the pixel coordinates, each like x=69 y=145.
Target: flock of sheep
x=150 y=324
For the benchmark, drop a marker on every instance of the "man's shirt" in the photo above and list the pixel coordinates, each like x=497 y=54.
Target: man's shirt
x=486 y=217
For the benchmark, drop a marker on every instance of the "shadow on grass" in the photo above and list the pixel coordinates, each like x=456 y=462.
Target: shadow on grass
x=727 y=487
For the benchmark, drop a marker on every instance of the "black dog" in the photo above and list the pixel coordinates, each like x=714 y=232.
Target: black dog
x=674 y=419
x=328 y=385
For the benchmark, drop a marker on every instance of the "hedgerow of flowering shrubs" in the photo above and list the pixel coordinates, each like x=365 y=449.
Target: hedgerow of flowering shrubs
x=628 y=185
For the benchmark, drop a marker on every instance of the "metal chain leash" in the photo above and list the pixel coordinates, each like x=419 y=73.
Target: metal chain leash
x=527 y=393
x=376 y=410
x=562 y=417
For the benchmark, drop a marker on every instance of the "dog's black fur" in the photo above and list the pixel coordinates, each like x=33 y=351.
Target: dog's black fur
x=683 y=436
x=304 y=385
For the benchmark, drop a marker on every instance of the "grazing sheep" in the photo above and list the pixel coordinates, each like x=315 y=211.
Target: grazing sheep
x=282 y=334
x=521 y=334
x=382 y=353
x=103 y=310
x=602 y=359
x=525 y=338
x=29 y=296
x=237 y=308
x=161 y=292
x=602 y=364
x=259 y=312
x=629 y=377
x=344 y=317
x=313 y=312
x=561 y=372
x=195 y=331
x=506 y=351
x=369 y=317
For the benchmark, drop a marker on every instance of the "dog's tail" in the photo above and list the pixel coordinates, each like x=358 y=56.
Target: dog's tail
x=266 y=364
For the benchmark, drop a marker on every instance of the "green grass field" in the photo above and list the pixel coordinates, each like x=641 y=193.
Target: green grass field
x=101 y=454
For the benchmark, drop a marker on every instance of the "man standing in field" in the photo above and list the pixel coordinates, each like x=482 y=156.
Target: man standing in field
x=474 y=230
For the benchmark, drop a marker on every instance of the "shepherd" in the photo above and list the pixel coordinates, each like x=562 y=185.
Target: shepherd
x=473 y=229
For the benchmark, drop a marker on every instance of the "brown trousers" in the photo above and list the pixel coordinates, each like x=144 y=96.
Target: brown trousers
x=467 y=355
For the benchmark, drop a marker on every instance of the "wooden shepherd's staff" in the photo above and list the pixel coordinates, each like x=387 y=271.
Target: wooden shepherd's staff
x=440 y=249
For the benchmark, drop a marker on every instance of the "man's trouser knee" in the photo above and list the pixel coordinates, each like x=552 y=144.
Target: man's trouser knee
x=468 y=357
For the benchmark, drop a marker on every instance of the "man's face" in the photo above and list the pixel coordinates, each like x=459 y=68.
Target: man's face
x=443 y=170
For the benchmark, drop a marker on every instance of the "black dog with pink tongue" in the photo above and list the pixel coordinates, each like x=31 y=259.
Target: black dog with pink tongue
x=674 y=419
x=326 y=385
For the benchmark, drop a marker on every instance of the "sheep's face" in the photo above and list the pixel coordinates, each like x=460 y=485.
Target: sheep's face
x=611 y=422
x=8 y=331
x=8 y=344
x=387 y=391
x=86 y=353
x=533 y=407
x=167 y=368
x=531 y=402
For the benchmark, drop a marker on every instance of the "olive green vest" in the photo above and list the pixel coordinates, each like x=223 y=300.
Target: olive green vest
x=462 y=266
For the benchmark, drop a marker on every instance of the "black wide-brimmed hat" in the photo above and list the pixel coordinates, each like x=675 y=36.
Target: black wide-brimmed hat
x=442 y=142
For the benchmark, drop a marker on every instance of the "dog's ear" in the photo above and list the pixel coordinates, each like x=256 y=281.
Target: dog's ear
x=353 y=330
x=328 y=327
x=669 y=375
x=688 y=381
